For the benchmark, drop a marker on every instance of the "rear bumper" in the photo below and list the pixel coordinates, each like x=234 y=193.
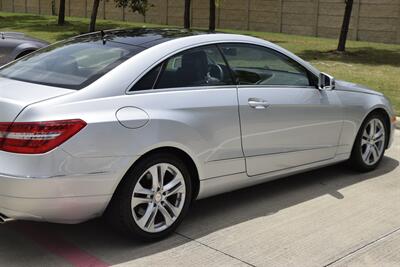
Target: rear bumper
x=58 y=199
x=57 y=187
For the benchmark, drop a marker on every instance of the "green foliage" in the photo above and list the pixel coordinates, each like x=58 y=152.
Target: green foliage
x=140 y=6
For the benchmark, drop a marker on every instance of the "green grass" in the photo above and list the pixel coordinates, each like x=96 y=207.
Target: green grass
x=373 y=64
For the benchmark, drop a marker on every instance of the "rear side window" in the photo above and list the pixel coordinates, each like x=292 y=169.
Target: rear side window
x=256 y=65
x=148 y=81
x=71 y=64
x=202 y=66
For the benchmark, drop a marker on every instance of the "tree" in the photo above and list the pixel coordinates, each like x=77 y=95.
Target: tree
x=345 y=26
x=186 y=17
x=211 y=26
x=53 y=7
x=61 y=13
x=139 y=6
x=93 y=17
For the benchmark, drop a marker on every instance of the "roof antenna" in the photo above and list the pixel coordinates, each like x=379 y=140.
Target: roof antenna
x=103 y=35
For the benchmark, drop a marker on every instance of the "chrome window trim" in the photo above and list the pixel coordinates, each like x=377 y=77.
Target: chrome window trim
x=213 y=87
x=178 y=89
x=275 y=86
x=129 y=92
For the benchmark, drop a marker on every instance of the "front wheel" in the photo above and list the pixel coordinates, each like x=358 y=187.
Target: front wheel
x=153 y=197
x=370 y=144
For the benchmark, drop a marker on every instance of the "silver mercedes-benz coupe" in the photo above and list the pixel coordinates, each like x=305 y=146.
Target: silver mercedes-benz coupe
x=137 y=124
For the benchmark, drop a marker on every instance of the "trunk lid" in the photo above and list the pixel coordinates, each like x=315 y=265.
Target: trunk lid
x=16 y=95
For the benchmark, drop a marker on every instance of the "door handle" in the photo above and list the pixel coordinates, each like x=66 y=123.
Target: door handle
x=258 y=103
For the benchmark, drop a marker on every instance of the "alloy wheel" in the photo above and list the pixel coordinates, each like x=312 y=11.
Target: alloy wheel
x=373 y=141
x=158 y=197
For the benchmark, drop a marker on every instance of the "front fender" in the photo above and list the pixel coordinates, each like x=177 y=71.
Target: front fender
x=357 y=106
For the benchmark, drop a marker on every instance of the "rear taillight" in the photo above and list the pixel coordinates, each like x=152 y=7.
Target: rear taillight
x=37 y=137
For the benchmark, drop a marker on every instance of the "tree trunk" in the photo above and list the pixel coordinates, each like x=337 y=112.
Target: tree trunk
x=345 y=26
x=93 y=17
x=53 y=7
x=61 y=13
x=187 y=14
x=212 y=16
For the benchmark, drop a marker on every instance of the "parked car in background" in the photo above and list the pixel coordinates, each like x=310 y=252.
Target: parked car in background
x=136 y=124
x=14 y=45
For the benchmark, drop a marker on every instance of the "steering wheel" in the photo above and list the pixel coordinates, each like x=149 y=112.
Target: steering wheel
x=216 y=71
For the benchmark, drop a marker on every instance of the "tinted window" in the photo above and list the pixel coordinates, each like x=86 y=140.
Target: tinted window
x=148 y=81
x=202 y=66
x=258 y=65
x=72 y=64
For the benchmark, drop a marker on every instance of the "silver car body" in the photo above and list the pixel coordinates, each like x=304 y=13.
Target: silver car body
x=14 y=45
x=231 y=145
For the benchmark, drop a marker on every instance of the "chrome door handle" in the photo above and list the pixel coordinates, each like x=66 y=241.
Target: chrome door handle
x=257 y=103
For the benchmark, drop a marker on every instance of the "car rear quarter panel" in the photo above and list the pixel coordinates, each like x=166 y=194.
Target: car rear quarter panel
x=11 y=49
x=204 y=123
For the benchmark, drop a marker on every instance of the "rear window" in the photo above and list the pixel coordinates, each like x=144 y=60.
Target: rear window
x=72 y=64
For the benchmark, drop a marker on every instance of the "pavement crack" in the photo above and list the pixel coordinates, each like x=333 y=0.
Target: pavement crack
x=217 y=250
x=369 y=244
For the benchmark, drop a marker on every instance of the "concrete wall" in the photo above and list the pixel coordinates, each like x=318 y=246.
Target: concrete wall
x=373 y=20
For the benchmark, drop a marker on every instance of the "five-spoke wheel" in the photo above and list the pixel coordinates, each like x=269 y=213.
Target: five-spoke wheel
x=370 y=144
x=373 y=141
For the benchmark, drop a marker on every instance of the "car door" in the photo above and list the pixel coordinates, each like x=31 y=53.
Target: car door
x=286 y=121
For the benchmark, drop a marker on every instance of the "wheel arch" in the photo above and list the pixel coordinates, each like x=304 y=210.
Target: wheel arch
x=24 y=53
x=23 y=49
x=382 y=111
x=183 y=155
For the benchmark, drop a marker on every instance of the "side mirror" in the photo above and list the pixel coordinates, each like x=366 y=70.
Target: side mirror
x=326 y=82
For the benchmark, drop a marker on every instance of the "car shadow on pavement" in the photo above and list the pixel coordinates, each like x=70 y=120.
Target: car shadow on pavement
x=206 y=216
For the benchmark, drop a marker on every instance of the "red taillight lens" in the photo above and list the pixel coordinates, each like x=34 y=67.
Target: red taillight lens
x=37 y=137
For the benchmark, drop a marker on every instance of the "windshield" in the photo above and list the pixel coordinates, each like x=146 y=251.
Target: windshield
x=71 y=64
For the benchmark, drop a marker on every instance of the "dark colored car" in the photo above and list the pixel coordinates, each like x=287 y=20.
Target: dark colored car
x=14 y=45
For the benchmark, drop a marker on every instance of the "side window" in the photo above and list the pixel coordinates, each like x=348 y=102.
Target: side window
x=258 y=65
x=148 y=81
x=203 y=66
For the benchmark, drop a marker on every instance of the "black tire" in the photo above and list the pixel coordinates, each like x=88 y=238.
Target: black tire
x=356 y=161
x=119 y=212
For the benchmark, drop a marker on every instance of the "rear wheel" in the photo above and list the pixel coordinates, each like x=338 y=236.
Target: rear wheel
x=153 y=198
x=369 y=146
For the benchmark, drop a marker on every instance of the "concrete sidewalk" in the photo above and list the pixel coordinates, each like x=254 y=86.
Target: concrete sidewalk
x=327 y=217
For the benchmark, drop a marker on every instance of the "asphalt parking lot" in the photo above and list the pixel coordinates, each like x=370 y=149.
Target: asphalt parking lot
x=327 y=217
